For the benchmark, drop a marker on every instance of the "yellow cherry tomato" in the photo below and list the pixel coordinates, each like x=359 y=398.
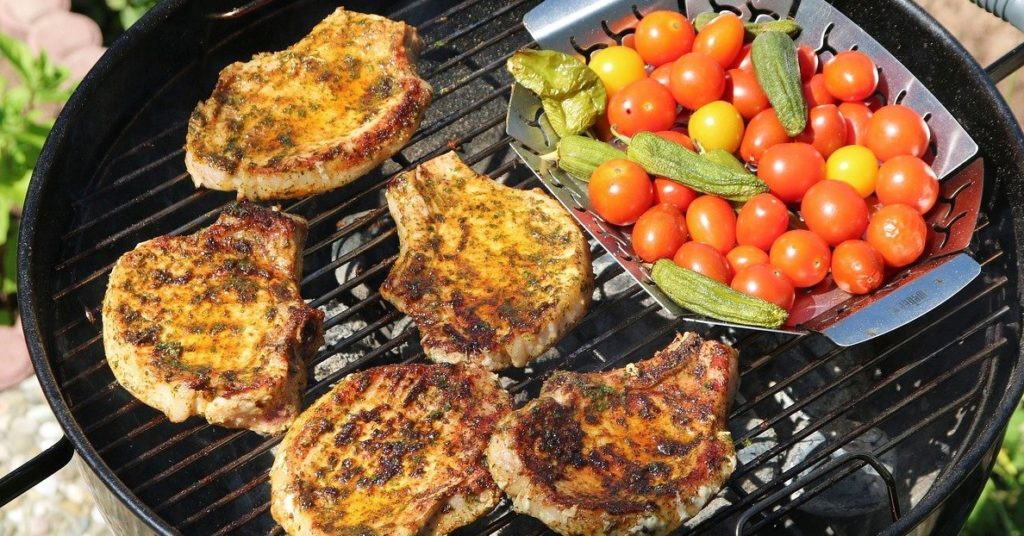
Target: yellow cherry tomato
x=855 y=165
x=717 y=125
x=617 y=67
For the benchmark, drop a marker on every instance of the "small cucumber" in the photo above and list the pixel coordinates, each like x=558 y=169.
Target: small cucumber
x=788 y=26
x=725 y=158
x=664 y=158
x=775 y=64
x=708 y=297
x=579 y=156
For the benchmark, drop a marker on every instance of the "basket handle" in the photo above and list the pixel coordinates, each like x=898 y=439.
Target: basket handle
x=35 y=470
x=1011 y=11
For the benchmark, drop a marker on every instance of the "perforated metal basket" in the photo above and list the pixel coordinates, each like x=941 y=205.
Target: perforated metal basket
x=581 y=27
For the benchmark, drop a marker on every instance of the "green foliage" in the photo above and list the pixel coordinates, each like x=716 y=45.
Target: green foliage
x=129 y=11
x=23 y=130
x=1000 y=509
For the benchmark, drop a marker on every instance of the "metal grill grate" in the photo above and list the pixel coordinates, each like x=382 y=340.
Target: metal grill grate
x=878 y=405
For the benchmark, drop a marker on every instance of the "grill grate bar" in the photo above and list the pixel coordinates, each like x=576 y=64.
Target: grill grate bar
x=497 y=38
x=474 y=75
x=433 y=128
x=832 y=447
x=207 y=479
x=349 y=283
x=128 y=204
x=126 y=178
x=235 y=524
x=892 y=443
x=241 y=490
x=148 y=143
x=771 y=391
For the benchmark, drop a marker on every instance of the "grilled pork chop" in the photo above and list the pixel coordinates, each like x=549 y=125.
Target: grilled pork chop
x=491 y=274
x=313 y=117
x=212 y=323
x=636 y=450
x=393 y=450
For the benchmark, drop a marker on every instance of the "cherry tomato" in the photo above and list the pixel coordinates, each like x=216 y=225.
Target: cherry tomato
x=762 y=219
x=789 y=169
x=659 y=232
x=677 y=137
x=673 y=193
x=644 y=105
x=808 y=62
x=826 y=129
x=721 y=39
x=908 y=180
x=620 y=191
x=763 y=131
x=704 y=260
x=717 y=125
x=834 y=211
x=662 y=36
x=851 y=76
x=857 y=267
x=745 y=93
x=815 y=93
x=802 y=256
x=766 y=282
x=696 y=79
x=743 y=60
x=857 y=115
x=855 y=165
x=896 y=130
x=617 y=67
x=663 y=75
x=712 y=221
x=741 y=257
x=899 y=233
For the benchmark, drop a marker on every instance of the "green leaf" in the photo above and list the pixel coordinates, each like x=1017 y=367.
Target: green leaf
x=19 y=56
x=572 y=95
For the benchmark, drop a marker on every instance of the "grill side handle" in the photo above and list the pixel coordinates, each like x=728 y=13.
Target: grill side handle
x=35 y=470
x=1011 y=11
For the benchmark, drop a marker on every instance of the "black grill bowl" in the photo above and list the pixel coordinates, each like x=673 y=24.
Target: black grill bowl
x=925 y=404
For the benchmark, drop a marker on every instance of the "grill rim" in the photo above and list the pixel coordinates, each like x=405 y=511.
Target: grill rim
x=35 y=297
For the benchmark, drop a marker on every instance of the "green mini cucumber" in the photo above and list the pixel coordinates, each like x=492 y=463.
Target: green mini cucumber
x=664 y=158
x=788 y=26
x=724 y=158
x=579 y=156
x=775 y=64
x=708 y=297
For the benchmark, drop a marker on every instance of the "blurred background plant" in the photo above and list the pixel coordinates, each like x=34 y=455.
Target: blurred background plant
x=129 y=11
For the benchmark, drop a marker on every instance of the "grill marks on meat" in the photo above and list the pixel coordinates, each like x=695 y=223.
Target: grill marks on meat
x=213 y=324
x=635 y=450
x=312 y=117
x=392 y=450
x=492 y=275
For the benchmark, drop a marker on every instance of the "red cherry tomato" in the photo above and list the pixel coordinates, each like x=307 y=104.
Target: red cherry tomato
x=808 y=62
x=762 y=219
x=815 y=93
x=899 y=233
x=663 y=75
x=703 y=259
x=743 y=60
x=673 y=193
x=907 y=180
x=675 y=136
x=856 y=115
x=662 y=36
x=620 y=191
x=802 y=256
x=789 y=169
x=896 y=130
x=826 y=129
x=741 y=257
x=857 y=267
x=834 y=211
x=721 y=39
x=745 y=93
x=712 y=221
x=763 y=131
x=851 y=76
x=696 y=79
x=659 y=232
x=766 y=282
x=644 y=105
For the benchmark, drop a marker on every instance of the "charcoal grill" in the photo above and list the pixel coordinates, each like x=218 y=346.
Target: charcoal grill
x=887 y=436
